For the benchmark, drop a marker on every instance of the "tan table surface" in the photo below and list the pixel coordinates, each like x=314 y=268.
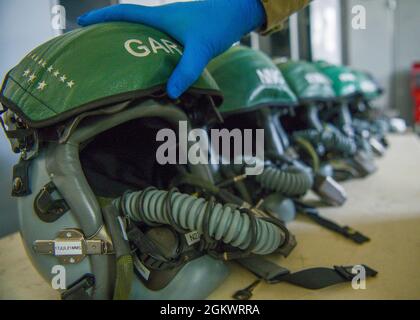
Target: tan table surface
x=385 y=206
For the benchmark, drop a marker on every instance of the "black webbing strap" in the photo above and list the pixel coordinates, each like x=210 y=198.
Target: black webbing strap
x=314 y=278
x=79 y=290
x=346 y=231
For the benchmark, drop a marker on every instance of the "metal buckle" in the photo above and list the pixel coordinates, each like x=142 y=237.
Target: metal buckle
x=345 y=272
x=71 y=247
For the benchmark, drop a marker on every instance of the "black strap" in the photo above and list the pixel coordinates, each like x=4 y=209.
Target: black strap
x=79 y=290
x=47 y=207
x=314 y=278
x=346 y=231
x=318 y=278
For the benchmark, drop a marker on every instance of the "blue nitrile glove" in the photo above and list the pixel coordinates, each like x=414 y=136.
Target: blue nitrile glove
x=205 y=28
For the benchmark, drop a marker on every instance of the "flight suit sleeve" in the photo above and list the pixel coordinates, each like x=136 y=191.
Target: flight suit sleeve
x=277 y=11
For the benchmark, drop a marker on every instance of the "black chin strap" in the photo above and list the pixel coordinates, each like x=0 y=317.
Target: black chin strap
x=314 y=278
x=345 y=231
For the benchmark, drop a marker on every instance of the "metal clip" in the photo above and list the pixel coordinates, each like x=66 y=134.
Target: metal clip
x=71 y=247
x=330 y=190
x=377 y=147
x=364 y=164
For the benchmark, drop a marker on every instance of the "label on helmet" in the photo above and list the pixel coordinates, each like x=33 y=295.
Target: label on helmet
x=368 y=86
x=270 y=76
x=141 y=268
x=68 y=248
x=347 y=77
x=316 y=78
x=192 y=237
x=143 y=48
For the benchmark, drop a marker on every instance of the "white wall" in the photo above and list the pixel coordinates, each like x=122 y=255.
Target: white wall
x=388 y=47
x=326 y=30
x=23 y=25
x=372 y=49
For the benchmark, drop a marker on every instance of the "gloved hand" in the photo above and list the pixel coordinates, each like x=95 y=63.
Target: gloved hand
x=205 y=28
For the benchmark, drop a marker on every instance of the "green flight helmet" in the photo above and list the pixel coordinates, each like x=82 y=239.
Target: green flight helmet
x=83 y=110
x=92 y=67
x=306 y=81
x=249 y=80
x=368 y=87
x=343 y=79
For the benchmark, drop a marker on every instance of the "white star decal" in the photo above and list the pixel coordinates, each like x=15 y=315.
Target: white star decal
x=41 y=85
x=50 y=69
x=56 y=73
x=63 y=78
x=27 y=72
x=32 y=77
x=70 y=84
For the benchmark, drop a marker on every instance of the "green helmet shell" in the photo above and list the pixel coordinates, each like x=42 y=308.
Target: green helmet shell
x=368 y=88
x=306 y=81
x=92 y=67
x=343 y=79
x=249 y=80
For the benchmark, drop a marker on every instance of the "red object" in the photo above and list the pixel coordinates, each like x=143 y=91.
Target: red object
x=415 y=90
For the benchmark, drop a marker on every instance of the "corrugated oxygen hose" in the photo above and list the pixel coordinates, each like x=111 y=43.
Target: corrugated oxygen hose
x=331 y=138
x=291 y=182
x=378 y=127
x=221 y=223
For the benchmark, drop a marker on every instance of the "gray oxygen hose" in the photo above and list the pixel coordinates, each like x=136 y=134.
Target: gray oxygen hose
x=331 y=138
x=222 y=223
x=290 y=182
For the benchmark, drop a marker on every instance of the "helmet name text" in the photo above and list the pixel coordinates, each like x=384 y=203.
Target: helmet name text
x=141 y=49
